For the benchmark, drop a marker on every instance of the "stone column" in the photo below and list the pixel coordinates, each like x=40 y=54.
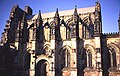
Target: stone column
x=111 y=61
x=111 y=58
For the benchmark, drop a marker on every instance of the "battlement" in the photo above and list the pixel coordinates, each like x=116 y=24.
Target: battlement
x=111 y=34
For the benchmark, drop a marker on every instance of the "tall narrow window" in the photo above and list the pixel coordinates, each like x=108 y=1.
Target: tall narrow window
x=67 y=59
x=113 y=57
x=47 y=33
x=68 y=33
x=89 y=58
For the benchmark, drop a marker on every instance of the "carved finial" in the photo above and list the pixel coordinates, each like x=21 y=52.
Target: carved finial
x=57 y=10
x=75 y=6
x=39 y=12
x=75 y=11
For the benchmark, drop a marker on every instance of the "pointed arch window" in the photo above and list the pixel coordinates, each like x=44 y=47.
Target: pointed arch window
x=65 y=58
x=112 y=57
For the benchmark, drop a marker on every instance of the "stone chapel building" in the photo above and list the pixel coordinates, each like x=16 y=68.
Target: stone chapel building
x=61 y=43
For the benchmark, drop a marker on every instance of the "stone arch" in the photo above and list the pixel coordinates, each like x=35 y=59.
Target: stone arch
x=42 y=66
x=114 y=51
x=114 y=45
x=85 y=19
x=52 y=30
x=91 y=55
x=92 y=49
x=70 y=28
x=67 y=47
x=42 y=57
x=65 y=52
x=46 y=50
x=69 y=21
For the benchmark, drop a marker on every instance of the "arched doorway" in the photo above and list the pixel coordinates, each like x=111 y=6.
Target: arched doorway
x=42 y=68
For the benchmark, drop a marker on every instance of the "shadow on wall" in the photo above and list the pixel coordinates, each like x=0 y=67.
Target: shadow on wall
x=7 y=57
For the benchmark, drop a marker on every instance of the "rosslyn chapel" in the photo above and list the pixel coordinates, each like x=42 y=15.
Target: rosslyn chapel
x=60 y=43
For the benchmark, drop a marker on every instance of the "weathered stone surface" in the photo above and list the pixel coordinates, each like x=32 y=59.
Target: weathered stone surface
x=61 y=43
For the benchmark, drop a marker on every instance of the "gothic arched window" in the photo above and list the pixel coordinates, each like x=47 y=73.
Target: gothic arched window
x=112 y=57
x=65 y=58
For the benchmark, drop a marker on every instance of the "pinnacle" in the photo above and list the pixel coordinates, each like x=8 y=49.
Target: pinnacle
x=57 y=14
x=39 y=15
x=75 y=11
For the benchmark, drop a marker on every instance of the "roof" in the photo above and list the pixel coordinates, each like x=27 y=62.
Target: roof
x=63 y=13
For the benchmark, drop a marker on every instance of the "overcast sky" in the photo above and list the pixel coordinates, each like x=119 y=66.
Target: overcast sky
x=110 y=9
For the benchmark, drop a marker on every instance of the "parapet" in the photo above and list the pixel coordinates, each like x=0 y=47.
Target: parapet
x=111 y=34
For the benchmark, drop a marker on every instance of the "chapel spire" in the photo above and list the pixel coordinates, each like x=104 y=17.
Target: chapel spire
x=56 y=18
x=98 y=21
